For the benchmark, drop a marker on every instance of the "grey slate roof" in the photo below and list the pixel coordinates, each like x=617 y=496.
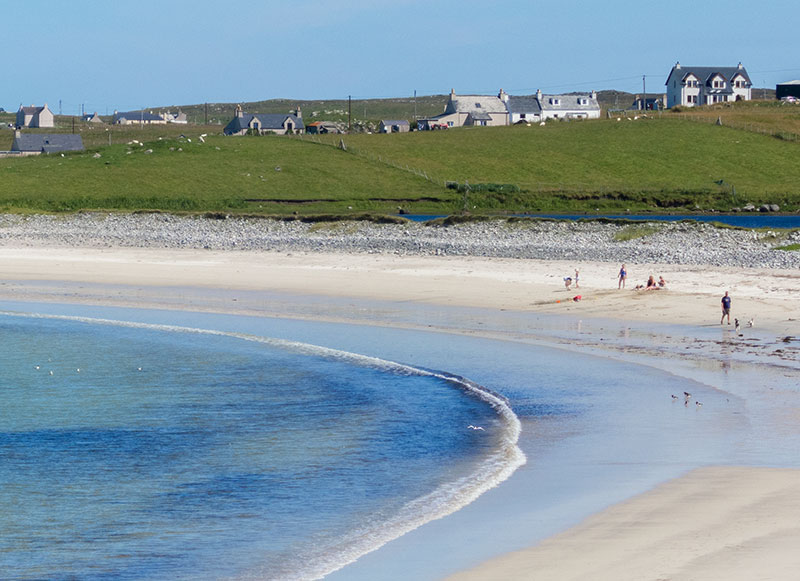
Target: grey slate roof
x=528 y=104
x=389 y=122
x=45 y=143
x=469 y=103
x=704 y=74
x=569 y=102
x=268 y=121
x=31 y=110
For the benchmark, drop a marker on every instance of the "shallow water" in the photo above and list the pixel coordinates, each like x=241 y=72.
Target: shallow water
x=597 y=427
x=142 y=452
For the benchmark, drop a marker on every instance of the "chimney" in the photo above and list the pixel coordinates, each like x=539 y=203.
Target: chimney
x=503 y=96
x=17 y=133
x=298 y=113
x=678 y=65
x=239 y=112
x=593 y=95
x=740 y=66
x=539 y=94
x=452 y=93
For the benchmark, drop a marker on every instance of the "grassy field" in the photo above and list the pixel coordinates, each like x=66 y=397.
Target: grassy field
x=664 y=163
x=767 y=117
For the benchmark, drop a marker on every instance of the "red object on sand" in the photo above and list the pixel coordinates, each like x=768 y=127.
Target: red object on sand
x=576 y=298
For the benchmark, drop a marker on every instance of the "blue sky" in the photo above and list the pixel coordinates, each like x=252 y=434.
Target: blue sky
x=129 y=55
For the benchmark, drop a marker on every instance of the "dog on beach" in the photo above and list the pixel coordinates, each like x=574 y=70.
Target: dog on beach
x=751 y=323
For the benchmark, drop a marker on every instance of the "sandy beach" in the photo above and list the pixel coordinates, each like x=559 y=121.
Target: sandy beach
x=714 y=523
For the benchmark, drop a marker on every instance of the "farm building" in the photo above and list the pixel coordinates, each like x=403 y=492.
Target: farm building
x=34 y=116
x=394 y=126
x=789 y=89
x=36 y=143
x=138 y=117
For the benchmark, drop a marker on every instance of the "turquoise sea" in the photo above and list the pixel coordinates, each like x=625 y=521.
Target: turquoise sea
x=142 y=444
x=149 y=451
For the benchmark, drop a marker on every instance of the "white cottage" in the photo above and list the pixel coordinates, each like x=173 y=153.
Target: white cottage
x=695 y=86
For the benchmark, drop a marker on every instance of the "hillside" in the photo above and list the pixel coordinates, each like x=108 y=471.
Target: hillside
x=666 y=162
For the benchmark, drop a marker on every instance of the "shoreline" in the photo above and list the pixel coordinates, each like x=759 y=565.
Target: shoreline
x=340 y=286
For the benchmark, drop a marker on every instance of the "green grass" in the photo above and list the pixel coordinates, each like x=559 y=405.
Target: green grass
x=788 y=247
x=634 y=232
x=658 y=165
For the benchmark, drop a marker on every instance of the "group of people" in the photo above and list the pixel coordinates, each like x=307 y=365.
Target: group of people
x=651 y=283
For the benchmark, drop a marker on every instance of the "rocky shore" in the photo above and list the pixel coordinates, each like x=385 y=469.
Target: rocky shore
x=655 y=242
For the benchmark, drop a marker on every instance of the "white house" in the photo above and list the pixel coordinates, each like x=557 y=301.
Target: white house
x=572 y=106
x=464 y=110
x=505 y=109
x=694 y=86
x=34 y=116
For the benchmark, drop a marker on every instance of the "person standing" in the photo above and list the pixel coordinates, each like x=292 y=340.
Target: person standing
x=623 y=274
x=726 y=308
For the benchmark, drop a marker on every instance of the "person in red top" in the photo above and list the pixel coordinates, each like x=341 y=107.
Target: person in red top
x=726 y=308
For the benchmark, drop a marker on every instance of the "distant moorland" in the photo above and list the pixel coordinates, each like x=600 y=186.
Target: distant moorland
x=665 y=161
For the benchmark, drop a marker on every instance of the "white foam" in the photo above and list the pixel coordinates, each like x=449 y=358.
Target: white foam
x=444 y=500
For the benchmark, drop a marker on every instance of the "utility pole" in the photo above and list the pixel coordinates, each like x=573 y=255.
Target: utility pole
x=644 y=92
x=415 y=105
x=349 y=113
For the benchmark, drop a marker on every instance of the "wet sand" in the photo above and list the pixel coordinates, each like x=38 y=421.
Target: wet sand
x=723 y=522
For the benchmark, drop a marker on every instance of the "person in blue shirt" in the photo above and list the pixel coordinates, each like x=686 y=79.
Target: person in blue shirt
x=726 y=308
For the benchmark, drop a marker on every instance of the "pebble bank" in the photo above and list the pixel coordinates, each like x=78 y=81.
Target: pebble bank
x=662 y=243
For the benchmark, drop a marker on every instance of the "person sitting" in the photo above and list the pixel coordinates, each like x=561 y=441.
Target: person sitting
x=568 y=282
x=651 y=283
x=661 y=282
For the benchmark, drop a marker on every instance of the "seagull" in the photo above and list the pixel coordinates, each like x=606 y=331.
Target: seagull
x=471 y=427
x=751 y=323
x=51 y=373
x=138 y=369
x=698 y=404
x=686 y=397
x=674 y=397
x=36 y=367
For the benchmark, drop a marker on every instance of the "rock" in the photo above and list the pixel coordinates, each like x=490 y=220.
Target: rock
x=763 y=208
x=774 y=208
x=749 y=208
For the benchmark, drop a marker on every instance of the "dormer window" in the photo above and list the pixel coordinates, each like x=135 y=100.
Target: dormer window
x=583 y=101
x=477 y=105
x=554 y=101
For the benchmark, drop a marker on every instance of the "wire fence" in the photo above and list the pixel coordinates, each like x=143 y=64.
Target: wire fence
x=751 y=127
x=338 y=142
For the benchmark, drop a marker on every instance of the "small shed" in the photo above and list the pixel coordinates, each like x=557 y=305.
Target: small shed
x=394 y=126
x=788 y=89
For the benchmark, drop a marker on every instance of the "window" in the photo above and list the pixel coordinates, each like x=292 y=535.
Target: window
x=477 y=105
x=554 y=101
